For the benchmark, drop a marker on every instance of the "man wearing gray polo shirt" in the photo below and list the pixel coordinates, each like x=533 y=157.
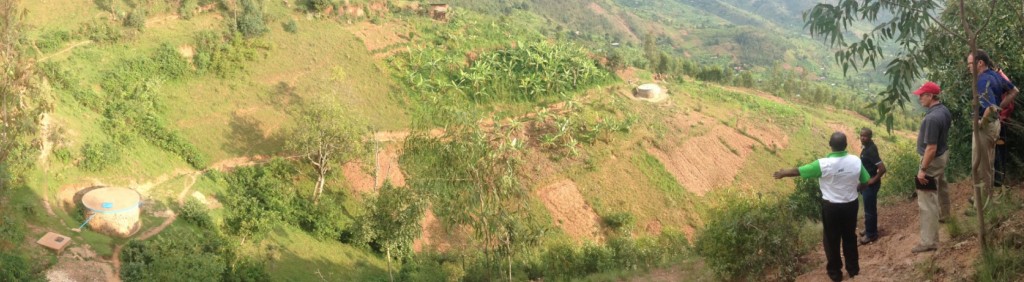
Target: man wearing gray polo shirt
x=931 y=145
x=840 y=176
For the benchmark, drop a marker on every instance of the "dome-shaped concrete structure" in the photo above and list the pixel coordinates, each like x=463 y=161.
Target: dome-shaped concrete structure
x=114 y=210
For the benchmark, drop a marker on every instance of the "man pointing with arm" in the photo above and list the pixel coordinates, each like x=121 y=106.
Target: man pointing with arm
x=840 y=176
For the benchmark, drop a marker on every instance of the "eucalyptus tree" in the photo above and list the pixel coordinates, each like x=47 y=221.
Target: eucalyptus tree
x=472 y=176
x=907 y=23
x=21 y=100
x=392 y=220
x=326 y=136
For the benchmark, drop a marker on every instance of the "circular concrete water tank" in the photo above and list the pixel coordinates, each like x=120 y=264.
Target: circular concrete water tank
x=114 y=210
x=648 y=91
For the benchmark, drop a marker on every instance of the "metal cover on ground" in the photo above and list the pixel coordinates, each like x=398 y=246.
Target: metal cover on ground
x=111 y=200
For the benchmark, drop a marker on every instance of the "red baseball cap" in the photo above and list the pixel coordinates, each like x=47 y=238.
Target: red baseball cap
x=928 y=88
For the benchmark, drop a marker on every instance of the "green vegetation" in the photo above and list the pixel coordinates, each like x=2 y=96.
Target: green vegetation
x=392 y=221
x=326 y=137
x=188 y=255
x=734 y=252
x=503 y=98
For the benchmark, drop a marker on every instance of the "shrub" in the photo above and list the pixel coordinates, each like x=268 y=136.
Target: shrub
x=597 y=258
x=324 y=221
x=16 y=268
x=169 y=63
x=222 y=56
x=291 y=26
x=176 y=255
x=136 y=19
x=52 y=40
x=98 y=156
x=901 y=164
x=317 y=5
x=805 y=201
x=251 y=23
x=423 y=268
x=195 y=212
x=744 y=237
x=63 y=155
x=562 y=262
x=246 y=270
x=188 y=9
x=257 y=197
x=101 y=31
x=619 y=221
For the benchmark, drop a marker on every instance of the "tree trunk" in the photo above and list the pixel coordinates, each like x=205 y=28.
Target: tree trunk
x=392 y=276
x=319 y=188
x=508 y=245
x=972 y=42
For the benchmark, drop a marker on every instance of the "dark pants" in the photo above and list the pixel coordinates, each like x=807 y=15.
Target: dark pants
x=870 y=196
x=840 y=224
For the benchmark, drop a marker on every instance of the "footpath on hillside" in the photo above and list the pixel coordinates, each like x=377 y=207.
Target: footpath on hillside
x=890 y=259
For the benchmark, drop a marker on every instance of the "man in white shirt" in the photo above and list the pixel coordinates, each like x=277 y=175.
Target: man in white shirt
x=840 y=177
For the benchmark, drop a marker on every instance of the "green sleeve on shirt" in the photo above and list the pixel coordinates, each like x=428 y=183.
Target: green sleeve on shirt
x=811 y=170
x=864 y=176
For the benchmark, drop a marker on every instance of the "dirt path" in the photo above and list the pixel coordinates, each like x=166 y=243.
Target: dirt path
x=65 y=50
x=890 y=259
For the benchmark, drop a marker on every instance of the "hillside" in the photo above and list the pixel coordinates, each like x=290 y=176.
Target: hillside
x=511 y=146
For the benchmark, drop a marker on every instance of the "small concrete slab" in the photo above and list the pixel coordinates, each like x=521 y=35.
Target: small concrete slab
x=54 y=241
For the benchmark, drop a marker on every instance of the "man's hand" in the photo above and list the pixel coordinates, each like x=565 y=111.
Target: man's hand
x=921 y=177
x=779 y=174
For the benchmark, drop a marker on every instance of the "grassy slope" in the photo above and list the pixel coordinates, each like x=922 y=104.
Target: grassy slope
x=213 y=112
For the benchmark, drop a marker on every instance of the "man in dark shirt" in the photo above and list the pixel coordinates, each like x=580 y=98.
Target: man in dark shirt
x=931 y=145
x=871 y=160
x=994 y=94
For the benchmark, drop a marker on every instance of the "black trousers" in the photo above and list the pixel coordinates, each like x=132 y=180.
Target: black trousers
x=840 y=224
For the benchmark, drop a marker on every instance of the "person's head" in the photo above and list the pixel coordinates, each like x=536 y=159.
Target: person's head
x=984 y=61
x=865 y=135
x=928 y=94
x=837 y=142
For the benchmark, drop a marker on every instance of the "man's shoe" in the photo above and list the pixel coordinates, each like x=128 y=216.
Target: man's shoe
x=921 y=249
x=864 y=240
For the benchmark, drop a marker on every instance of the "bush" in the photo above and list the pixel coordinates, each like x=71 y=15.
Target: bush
x=98 y=156
x=101 y=31
x=901 y=164
x=562 y=262
x=247 y=270
x=177 y=255
x=195 y=212
x=317 y=5
x=597 y=258
x=743 y=238
x=224 y=57
x=169 y=63
x=188 y=9
x=136 y=19
x=325 y=221
x=291 y=26
x=619 y=221
x=805 y=201
x=423 y=268
x=52 y=40
x=258 y=196
x=63 y=155
x=16 y=268
x=251 y=23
